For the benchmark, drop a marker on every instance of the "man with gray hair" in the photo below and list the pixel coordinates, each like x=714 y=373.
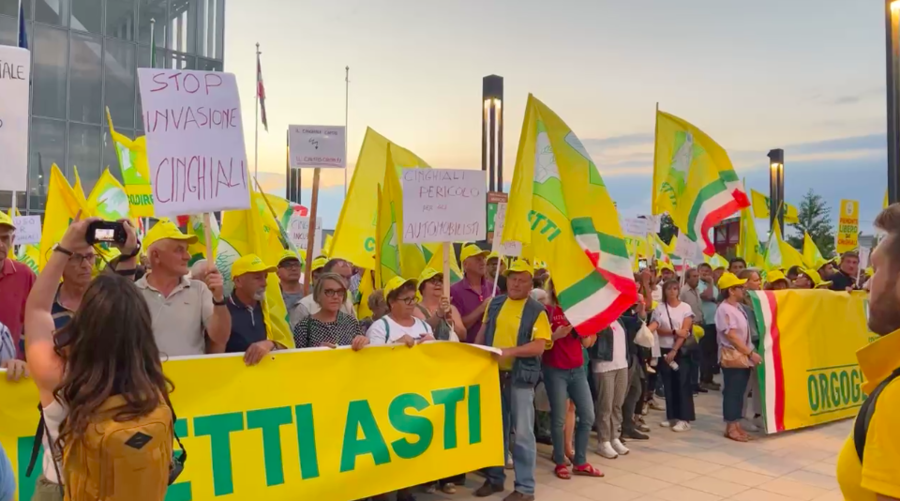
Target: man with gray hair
x=184 y=311
x=199 y=270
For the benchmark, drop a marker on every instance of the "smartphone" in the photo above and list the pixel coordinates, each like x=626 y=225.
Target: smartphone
x=105 y=232
x=642 y=264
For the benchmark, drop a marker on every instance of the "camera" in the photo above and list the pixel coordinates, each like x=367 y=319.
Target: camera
x=105 y=232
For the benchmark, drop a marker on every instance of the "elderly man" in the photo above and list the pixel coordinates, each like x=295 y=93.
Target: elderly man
x=471 y=294
x=184 y=312
x=248 y=327
x=289 y=273
x=16 y=280
x=519 y=327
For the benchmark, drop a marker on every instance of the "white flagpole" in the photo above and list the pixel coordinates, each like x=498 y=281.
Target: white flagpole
x=346 y=120
x=19 y=13
x=256 y=122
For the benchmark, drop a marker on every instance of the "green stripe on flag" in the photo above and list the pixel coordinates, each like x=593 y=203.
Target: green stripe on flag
x=708 y=191
x=761 y=348
x=613 y=245
x=583 y=226
x=728 y=176
x=581 y=290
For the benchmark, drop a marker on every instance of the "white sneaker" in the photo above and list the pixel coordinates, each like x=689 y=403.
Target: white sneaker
x=620 y=447
x=606 y=450
x=681 y=426
x=666 y=424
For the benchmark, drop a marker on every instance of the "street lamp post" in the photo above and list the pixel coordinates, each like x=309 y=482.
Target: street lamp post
x=492 y=130
x=776 y=188
x=892 y=53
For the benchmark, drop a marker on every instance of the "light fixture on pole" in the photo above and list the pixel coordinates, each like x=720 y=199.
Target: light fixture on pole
x=776 y=188
x=892 y=52
x=492 y=130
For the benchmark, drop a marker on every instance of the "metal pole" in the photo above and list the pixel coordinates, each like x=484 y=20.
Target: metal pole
x=782 y=207
x=346 y=120
x=493 y=152
x=772 y=196
x=484 y=139
x=500 y=146
x=256 y=122
x=892 y=53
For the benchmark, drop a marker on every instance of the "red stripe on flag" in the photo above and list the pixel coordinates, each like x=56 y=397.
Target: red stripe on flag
x=778 y=370
x=603 y=319
x=714 y=218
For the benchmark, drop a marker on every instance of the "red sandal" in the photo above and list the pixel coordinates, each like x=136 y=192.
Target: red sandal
x=587 y=470
x=562 y=471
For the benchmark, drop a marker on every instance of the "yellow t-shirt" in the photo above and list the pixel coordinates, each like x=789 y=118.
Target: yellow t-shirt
x=506 y=335
x=879 y=472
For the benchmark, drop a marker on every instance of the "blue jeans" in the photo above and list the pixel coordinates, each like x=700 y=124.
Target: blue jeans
x=561 y=385
x=517 y=406
x=735 y=385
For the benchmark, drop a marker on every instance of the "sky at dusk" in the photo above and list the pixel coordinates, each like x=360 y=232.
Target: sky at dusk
x=806 y=76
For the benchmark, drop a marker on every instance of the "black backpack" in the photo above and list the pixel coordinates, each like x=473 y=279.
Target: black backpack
x=861 y=426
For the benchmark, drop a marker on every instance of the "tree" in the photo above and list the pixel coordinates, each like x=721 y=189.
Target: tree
x=814 y=218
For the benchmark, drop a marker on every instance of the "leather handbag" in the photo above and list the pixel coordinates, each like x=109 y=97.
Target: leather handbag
x=733 y=359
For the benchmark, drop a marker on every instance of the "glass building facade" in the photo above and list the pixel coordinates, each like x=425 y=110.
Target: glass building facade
x=85 y=55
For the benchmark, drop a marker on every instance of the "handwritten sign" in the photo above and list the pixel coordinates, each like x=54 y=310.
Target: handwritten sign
x=847 y=237
x=635 y=226
x=15 y=68
x=864 y=253
x=28 y=229
x=317 y=146
x=195 y=141
x=511 y=248
x=443 y=205
x=298 y=233
x=687 y=249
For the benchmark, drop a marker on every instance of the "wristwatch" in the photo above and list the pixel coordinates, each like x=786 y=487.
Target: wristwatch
x=219 y=303
x=62 y=250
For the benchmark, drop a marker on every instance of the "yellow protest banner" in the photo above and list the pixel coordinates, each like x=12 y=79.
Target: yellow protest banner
x=808 y=340
x=848 y=227
x=317 y=424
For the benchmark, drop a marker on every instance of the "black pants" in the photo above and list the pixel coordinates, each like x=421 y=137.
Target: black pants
x=709 y=354
x=677 y=386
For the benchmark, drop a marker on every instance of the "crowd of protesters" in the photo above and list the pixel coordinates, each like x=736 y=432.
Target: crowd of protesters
x=92 y=343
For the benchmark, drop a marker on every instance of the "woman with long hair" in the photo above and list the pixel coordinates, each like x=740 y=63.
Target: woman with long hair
x=736 y=354
x=103 y=366
x=672 y=322
x=329 y=326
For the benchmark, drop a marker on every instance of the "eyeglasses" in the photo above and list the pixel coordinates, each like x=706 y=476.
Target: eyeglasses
x=408 y=301
x=80 y=258
x=334 y=292
x=292 y=265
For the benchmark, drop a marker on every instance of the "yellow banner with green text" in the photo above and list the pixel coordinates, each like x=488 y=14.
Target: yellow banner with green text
x=313 y=424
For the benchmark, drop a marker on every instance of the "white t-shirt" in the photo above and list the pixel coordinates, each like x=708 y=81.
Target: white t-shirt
x=620 y=351
x=379 y=335
x=678 y=314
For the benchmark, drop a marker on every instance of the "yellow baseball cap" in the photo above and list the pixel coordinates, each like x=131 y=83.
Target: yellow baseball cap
x=471 y=250
x=288 y=254
x=774 y=276
x=429 y=273
x=493 y=255
x=395 y=283
x=729 y=280
x=815 y=278
x=519 y=266
x=165 y=229
x=664 y=265
x=251 y=263
x=319 y=263
x=5 y=220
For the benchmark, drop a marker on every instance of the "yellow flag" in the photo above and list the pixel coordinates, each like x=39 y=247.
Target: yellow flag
x=326 y=245
x=811 y=254
x=749 y=246
x=249 y=232
x=132 y=157
x=559 y=205
x=387 y=248
x=78 y=189
x=63 y=204
x=354 y=237
x=761 y=208
x=366 y=288
x=885 y=203
x=434 y=256
x=780 y=254
x=693 y=180
x=108 y=200
x=195 y=226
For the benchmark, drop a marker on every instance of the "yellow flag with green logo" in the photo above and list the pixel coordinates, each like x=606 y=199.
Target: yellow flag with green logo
x=559 y=205
x=354 y=237
x=761 y=208
x=780 y=254
x=251 y=231
x=693 y=180
x=387 y=248
x=108 y=200
x=749 y=246
x=63 y=204
x=132 y=155
x=811 y=254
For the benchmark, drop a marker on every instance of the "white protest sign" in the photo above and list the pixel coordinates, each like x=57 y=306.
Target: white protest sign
x=511 y=248
x=298 y=233
x=653 y=223
x=863 y=255
x=195 y=141
x=635 y=226
x=15 y=79
x=317 y=146
x=443 y=205
x=28 y=229
x=687 y=249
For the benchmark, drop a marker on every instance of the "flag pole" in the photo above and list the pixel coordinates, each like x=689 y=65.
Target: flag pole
x=19 y=13
x=256 y=122
x=346 y=120
x=311 y=236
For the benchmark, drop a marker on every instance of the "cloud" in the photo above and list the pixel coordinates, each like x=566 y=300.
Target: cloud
x=846 y=100
x=619 y=141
